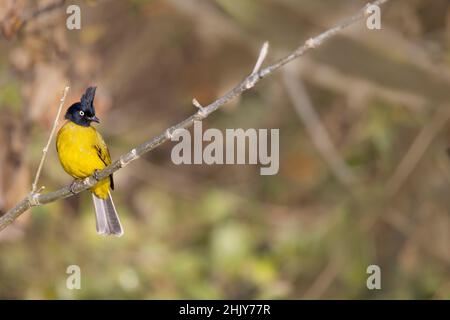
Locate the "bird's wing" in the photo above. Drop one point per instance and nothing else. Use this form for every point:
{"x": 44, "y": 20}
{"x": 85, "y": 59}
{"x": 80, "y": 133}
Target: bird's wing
{"x": 102, "y": 150}
{"x": 103, "y": 154}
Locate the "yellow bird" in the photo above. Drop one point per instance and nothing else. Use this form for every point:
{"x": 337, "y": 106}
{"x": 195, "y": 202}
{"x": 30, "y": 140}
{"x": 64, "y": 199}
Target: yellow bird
{"x": 82, "y": 151}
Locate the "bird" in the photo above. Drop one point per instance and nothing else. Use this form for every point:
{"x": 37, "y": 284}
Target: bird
{"x": 82, "y": 152}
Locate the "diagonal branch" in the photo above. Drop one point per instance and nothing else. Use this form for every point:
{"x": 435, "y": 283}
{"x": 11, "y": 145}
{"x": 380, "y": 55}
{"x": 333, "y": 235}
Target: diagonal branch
{"x": 417, "y": 150}
{"x": 248, "y": 83}
{"x": 318, "y": 133}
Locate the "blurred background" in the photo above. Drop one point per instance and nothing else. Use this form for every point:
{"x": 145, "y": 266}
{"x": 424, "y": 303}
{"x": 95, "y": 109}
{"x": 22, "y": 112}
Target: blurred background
{"x": 364, "y": 171}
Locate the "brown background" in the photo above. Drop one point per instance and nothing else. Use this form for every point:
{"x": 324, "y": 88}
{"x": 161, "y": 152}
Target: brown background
{"x": 379, "y": 195}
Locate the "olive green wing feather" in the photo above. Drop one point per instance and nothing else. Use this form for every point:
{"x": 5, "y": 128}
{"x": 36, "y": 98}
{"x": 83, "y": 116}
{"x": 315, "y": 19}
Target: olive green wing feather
{"x": 103, "y": 154}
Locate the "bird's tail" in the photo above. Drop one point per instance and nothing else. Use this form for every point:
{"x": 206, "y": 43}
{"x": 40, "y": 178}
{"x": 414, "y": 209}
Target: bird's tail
{"x": 108, "y": 222}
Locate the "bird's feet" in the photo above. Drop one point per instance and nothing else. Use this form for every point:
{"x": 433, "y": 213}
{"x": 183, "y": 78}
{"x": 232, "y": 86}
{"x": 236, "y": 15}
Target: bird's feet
{"x": 73, "y": 186}
{"x": 96, "y": 174}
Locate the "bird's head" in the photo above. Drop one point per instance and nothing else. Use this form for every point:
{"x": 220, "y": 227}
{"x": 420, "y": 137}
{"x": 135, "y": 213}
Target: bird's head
{"x": 83, "y": 112}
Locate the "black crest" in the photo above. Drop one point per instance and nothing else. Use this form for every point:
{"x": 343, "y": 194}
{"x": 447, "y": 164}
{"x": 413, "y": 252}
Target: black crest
{"x": 87, "y": 100}
{"x": 83, "y": 112}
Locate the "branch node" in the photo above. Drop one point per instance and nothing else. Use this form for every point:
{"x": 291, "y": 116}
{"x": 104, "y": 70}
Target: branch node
{"x": 312, "y": 43}
{"x": 73, "y": 186}
{"x": 251, "y": 80}
{"x": 33, "y": 199}
{"x": 367, "y": 12}
{"x": 134, "y": 155}
{"x": 202, "y": 113}
{"x": 126, "y": 159}
{"x": 87, "y": 181}
{"x": 169, "y": 134}
{"x": 96, "y": 175}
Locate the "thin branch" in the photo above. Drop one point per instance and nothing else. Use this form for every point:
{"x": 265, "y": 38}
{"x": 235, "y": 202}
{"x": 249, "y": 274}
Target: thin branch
{"x": 262, "y": 56}
{"x": 323, "y": 281}
{"x": 27, "y": 17}
{"x": 316, "y": 130}
{"x": 14, "y": 22}
{"x": 357, "y": 89}
{"x": 124, "y": 160}
{"x": 417, "y": 150}
{"x": 52, "y": 133}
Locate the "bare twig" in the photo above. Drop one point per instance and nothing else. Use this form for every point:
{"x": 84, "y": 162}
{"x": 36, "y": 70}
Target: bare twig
{"x": 15, "y": 21}
{"x": 44, "y": 9}
{"x": 411, "y": 231}
{"x": 262, "y": 56}
{"x": 27, "y": 17}
{"x": 324, "y": 280}
{"x": 201, "y": 110}
{"x": 316, "y": 130}
{"x": 246, "y": 84}
{"x": 417, "y": 150}
{"x": 357, "y": 89}
{"x": 52, "y": 133}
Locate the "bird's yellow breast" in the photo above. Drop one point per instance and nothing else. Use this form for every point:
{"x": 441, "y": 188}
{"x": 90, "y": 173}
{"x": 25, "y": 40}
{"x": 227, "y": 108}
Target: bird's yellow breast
{"x": 80, "y": 153}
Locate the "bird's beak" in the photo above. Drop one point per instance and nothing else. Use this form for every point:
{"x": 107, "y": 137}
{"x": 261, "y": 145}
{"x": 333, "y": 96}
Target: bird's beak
{"x": 94, "y": 118}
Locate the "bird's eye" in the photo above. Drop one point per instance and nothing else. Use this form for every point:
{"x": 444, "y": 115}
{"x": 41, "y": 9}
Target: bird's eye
{"x": 81, "y": 113}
